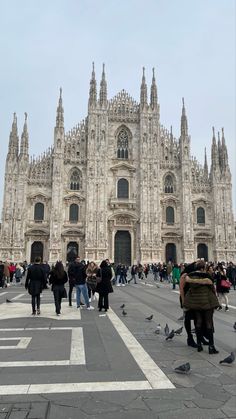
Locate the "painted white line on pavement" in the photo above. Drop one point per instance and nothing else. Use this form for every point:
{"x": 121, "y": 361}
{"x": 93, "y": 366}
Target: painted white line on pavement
{"x": 22, "y": 344}
{"x": 36, "y": 363}
{"x": 74, "y": 387}
{"x": 154, "y": 375}
{"x": 17, "y": 297}
{"x": 36, "y": 328}
{"x": 77, "y": 353}
{"x": 20, "y": 309}
{"x": 3, "y": 293}
{"x": 229, "y": 306}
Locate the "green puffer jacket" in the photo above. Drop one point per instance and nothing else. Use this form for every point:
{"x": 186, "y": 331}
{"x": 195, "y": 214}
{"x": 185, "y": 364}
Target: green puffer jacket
{"x": 201, "y": 293}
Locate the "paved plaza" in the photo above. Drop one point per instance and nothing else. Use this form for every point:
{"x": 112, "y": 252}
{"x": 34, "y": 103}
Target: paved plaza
{"x": 85, "y": 364}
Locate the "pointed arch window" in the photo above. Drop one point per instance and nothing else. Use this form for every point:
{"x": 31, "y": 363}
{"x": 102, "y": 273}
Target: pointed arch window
{"x": 200, "y": 215}
{"x": 169, "y": 184}
{"x": 39, "y": 211}
{"x": 74, "y": 213}
{"x": 123, "y": 188}
{"x": 75, "y": 180}
{"x": 170, "y": 215}
{"x": 123, "y": 144}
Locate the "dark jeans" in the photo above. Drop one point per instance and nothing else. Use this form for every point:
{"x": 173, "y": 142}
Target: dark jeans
{"x": 58, "y": 292}
{"x": 90, "y": 291}
{"x": 71, "y": 286}
{"x": 204, "y": 320}
{"x": 103, "y": 301}
{"x": 35, "y": 300}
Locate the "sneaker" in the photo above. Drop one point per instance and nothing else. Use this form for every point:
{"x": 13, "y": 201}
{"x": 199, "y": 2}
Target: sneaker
{"x": 226, "y": 308}
{"x": 33, "y": 313}
{"x": 90, "y": 308}
{"x": 118, "y": 285}
{"x": 79, "y": 307}
{"x": 123, "y": 285}
{"x": 38, "y": 312}
{"x": 58, "y": 314}
{"x": 90, "y": 300}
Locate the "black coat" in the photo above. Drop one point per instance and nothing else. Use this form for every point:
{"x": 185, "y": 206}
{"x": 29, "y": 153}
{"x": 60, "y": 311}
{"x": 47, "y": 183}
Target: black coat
{"x": 35, "y": 280}
{"x": 219, "y": 289}
{"x": 56, "y": 281}
{"x": 104, "y": 287}
{"x": 77, "y": 271}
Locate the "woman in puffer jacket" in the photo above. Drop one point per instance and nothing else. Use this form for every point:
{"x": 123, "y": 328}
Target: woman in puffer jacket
{"x": 201, "y": 298}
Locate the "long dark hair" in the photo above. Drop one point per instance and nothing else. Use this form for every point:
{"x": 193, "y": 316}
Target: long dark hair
{"x": 59, "y": 269}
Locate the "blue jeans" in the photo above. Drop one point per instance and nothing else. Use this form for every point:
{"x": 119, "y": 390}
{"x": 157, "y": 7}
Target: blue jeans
{"x": 82, "y": 288}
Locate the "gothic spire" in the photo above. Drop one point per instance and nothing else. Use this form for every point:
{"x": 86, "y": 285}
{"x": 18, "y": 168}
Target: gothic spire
{"x": 153, "y": 99}
{"x": 60, "y": 112}
{"x": 93, "y": 89}
{"x": 224, "y": 150}
{"x": 24, "y": 146}
{"x": 13, "y": 146}
{"x": 103, "y": 89}
{"x": 214, "y": 151}
{"x": 219, "y": 150}
{"x": 184, "y": 121}
{"x": 143, "y": 91}
{"x": 205, "y": 164}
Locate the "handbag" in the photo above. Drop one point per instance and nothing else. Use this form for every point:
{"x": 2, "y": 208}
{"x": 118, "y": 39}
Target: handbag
{"x": 225, "y": 283}
{"x": 64, "y": 293}
{"x": 92, "y": 282}
{"x": 99, "y": 278}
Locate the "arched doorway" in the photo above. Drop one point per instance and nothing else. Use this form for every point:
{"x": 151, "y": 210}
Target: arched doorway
{"x": 36, "y": 251}
{"x": 202, "y": 251}
{"x": 72, "y": 251}
{"x": 171, "y": 252}
{"x": 123, "y": 248}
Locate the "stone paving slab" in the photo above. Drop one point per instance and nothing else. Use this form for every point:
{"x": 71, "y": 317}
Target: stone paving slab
{"x": 207, "y": 392}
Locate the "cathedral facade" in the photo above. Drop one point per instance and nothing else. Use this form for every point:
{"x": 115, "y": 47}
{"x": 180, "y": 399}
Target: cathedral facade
{"x": 118, "y": 185}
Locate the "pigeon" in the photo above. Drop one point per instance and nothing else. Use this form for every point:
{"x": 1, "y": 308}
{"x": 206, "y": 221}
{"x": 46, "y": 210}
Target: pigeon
{"x": 122, "y": 306}
{"x": 171, "y": 335}
{"x": 234, "y": 326}
{"x": 183, "y": 369}
{"x": 229, "y": 359}
{"x": 166, "y": 330}
{"x": 150, "y": 317}
{"x": 8, "y": 301}
{"x": 158, "y": 329}
{"x": 179, "y": 331}
{"x": 124, "y": 312}
{"x": 181, "y": 318}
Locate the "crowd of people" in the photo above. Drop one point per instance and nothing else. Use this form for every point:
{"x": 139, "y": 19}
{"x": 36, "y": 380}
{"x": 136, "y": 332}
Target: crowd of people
{"x": 203, "y": 287}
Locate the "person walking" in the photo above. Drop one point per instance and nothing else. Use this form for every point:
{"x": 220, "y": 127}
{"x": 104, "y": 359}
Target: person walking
{"x": 34, "y": 283}
{"x": 6, "y": 274}
{"x": 78, "y": 272}
{"x": 18, "y": 274}
{"x": 58, "y": 278}
{"x": 104, "y": 287}
{"x": 221, "y": 289}
{"x": 133, "y": 274}
{"x": 175, "y": 275}
{"x": 91, "y": 280}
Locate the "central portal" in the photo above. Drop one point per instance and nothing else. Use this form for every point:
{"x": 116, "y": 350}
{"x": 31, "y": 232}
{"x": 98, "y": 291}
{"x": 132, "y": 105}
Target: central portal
{"x": 123, "y": 248}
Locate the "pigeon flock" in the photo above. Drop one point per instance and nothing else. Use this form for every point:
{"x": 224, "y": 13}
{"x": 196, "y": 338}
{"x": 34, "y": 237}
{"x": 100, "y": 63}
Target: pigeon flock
{"x": 184, "y": 368}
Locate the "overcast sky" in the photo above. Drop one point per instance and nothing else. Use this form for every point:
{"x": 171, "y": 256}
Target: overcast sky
{"x": 47, "y": 44}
